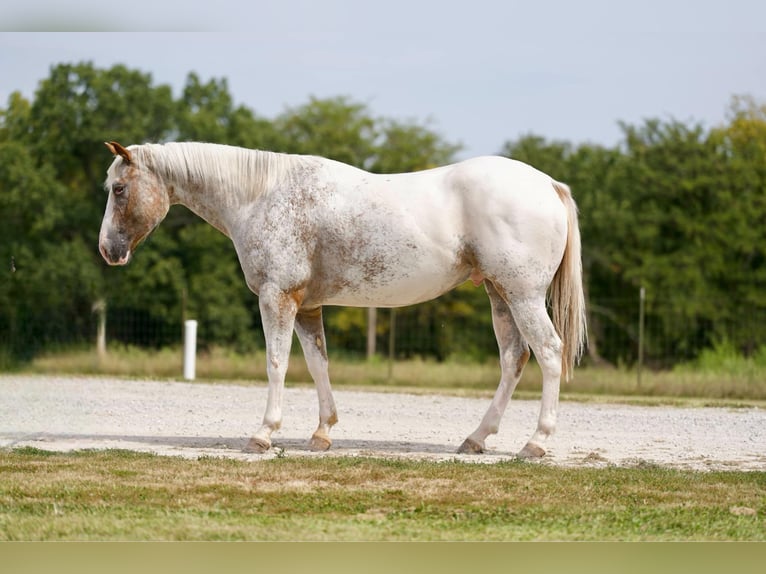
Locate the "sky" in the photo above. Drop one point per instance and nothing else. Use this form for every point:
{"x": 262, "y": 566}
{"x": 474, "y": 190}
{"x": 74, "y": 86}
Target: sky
{"x": 479, "y": 72}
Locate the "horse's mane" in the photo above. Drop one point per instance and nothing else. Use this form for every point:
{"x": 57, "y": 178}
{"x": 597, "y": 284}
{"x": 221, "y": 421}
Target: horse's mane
{"x": 235, "y": 171}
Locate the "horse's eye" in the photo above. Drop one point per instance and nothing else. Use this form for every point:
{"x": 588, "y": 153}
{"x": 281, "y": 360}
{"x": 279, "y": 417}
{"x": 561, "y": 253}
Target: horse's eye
{"x": 118, "y": 188}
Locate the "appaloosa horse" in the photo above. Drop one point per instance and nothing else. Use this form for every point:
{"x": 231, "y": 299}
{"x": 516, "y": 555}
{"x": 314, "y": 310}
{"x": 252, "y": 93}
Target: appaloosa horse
{"x": 311, "y": 231}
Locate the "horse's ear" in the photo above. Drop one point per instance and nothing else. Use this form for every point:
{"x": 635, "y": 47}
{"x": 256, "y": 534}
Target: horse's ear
{"x": 117, "y": 149}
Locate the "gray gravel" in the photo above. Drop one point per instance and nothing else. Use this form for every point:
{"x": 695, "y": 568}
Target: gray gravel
{"x": 196, "y": 419}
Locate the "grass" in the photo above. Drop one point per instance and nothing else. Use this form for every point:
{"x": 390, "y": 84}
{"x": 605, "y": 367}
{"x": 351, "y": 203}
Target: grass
{"x": 120, "y": 495}
{"x": 706, "y": 383}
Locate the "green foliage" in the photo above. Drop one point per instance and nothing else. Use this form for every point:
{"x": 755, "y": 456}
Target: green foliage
{"x": 79, "y": 106}
{"x": 206, "y": 112}
{"x": 337, "y": 128}
{"x": 725, "y": 359}
{"x": 217, "y": 294}
{"x": 406, "y": 147}
{"x": 49, "y": 280}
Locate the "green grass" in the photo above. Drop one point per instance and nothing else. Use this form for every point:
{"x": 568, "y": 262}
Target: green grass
{"x": 722, "y": 382}
{"x": 120, "y": 495}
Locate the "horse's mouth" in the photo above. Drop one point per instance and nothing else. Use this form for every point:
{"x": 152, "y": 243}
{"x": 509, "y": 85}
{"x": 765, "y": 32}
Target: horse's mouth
{"x": 115, "y": 259}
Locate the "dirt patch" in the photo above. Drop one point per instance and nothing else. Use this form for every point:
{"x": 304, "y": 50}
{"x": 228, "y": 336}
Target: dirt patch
{"x": 195, "y": 419}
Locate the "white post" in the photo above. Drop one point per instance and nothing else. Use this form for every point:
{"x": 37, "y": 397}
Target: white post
{"x": 190, "y": 348}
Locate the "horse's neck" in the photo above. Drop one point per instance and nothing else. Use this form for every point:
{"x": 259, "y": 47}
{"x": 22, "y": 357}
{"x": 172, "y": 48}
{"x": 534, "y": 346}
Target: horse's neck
{"x": 202, "y": 205}
{"x": 222, "y": 187}
{"x": 223, "y": 183}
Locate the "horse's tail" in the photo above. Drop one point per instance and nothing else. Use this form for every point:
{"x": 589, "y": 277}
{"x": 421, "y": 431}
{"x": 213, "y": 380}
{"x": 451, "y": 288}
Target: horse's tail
{"x": 566, "y": 296}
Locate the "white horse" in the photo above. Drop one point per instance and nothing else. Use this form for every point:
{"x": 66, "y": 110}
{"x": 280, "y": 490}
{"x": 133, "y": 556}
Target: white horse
{"x": 311, "y": 231}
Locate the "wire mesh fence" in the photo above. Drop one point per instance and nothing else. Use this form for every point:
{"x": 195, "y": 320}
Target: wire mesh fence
{"x": 616, "y": 334}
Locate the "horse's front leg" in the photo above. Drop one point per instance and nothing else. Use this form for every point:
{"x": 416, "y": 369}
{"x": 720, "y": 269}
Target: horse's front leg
{"x": 308, "y": 325}
{"x": 278, "y": 310}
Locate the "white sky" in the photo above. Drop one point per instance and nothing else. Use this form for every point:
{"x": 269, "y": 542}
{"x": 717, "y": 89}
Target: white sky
{"x": 483, "y": 71}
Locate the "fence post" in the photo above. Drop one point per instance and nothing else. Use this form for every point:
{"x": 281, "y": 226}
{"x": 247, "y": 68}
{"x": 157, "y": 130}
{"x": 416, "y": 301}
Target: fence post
{"x": 372, "y": 327}
{"x": 99, "y": 308}
{"x": 641, "y": 299}
{"x": 190, "y": 349}
{"x": 391, "y": 342}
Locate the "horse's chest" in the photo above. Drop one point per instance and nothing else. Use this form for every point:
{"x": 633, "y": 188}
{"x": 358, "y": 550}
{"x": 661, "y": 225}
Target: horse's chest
{"x": 274, "y": 250}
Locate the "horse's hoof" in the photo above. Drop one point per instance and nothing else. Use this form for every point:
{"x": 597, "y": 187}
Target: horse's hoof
{"x": 319, "y": 443}
{"x": 470, "y": 446}
{"x": 531, "y": 450}
{"x": 258, "y": 445}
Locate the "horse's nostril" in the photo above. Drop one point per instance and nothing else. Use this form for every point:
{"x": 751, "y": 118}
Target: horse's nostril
{"x": 113, "y": 256}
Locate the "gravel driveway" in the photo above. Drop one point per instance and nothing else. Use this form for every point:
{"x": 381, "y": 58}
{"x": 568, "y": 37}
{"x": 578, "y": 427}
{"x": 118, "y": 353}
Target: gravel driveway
{"x": 196, "y": 419}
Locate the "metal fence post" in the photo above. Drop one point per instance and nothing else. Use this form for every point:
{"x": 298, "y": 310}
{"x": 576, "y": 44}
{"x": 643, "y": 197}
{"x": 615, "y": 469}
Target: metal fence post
{"x": 391, "y": 342}
{"x": 372, "y": 329}
{"x": 641, "y": 299}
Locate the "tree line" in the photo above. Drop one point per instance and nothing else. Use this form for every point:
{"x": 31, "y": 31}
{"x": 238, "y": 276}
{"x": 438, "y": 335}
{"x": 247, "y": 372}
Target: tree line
{"x": 675, "y": 207}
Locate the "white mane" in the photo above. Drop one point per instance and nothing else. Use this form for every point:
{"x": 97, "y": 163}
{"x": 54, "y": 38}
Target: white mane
{"x": 233, "y": 171}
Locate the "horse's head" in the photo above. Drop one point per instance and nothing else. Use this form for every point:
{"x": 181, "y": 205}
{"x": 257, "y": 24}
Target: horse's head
{"x": 138, "y": 202}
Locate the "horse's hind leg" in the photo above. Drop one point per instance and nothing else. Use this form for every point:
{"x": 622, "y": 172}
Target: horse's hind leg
{"x": 514, "y": 354}
{"x": 533, "y": 322}
{"x": 308, "y": 325}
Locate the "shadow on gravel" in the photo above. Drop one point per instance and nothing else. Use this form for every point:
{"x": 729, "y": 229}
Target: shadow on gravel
{"x": 224, "y": 444}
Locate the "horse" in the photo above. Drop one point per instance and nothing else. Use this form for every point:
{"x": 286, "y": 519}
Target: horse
{"x": 310, "y": 231}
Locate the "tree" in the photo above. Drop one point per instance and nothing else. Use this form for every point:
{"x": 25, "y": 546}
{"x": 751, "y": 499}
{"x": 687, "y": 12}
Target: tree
{"x": 46, "y": 290}
{"x": 79, "y": 106}
{"x": 410, "y": 146}
{"x": 53, "y": 167}
{"x": 741, "y": 279}
{"x": 206, "y": 112}
{"x": 667, "y": 184}
{"x": 336, "y": 128}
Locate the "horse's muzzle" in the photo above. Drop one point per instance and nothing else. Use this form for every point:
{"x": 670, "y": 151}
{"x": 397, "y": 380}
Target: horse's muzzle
{"x": 114, "y": 254}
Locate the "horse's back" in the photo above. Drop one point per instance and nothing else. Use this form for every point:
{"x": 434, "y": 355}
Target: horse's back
{"x": 492, "y": 199}
{"x": 500, "y": 176}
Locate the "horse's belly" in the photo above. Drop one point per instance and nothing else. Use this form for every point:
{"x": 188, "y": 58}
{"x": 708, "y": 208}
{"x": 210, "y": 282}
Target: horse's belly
{"x": 394, "y": 287}
{"x": 391, "y": 296}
